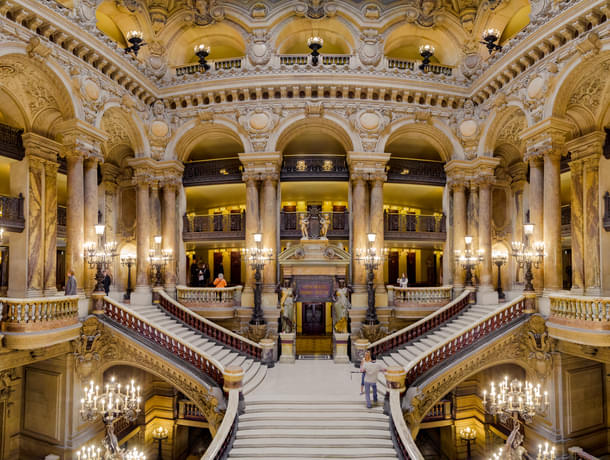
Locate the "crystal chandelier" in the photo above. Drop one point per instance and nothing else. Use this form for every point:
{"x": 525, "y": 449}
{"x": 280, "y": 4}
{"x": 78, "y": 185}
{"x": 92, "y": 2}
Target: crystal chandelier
{"x": 95, "y": 453}
{"x": 547, "y": 453}
{"x": 515, "y": 400}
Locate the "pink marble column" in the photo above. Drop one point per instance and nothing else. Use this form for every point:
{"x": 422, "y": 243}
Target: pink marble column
{"x": 75, "y": 217}
{"x": 35, "y": 227}
{"x": 142, "y": 234}
{"x": 169, "y": 233}
{"x": 376, "y": 224}
{"x": 552, "y": 223}
{"x": 270, "y": 225}
{"x": 459, "y": 231}
{"x": 473, "y": 214}
{"x": 91, "y": 213}
{"x": 591, "y": 225}
{"x": 535, "y": 199}
{"x": 359, "y": 228}
{"x": 576, "y": 227}
{"x": 485, "y": 234}
{"x": 155, "y": 210}
{"x": 252, "y": 222}
{"x": 50, "y": 240}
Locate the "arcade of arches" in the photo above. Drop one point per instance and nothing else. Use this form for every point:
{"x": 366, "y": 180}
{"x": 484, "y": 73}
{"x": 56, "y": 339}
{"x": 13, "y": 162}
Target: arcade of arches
{"x": 183, "y": 166}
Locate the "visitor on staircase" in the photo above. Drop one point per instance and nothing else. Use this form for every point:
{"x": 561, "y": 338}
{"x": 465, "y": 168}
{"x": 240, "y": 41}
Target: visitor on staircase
{"x": 371, "y": 371}
{"x": 366, "y": 359}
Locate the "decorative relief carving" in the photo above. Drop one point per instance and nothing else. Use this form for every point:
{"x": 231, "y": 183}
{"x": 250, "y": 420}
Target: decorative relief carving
{"x": 538, "y": 347}
{"x": 371, "y": 48}
{"x": 259, "y": 51}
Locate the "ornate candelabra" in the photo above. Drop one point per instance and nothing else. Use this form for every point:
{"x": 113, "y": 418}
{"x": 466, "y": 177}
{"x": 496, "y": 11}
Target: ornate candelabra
{"x": 128, "y": 260}
{"x": 95, "y": 453}
{"x": 371, "y": 260}
{"x": 468, "y": 259}
{"x": 257, "y": 257}
{"x": 426, "y": 52}
{"x": 159, "y": 434}
{"x": 547, "y": 453}
{"x": 468, "y": 435}
{"x": 315, "y": 43}
{"x": 490, "y": 37}
{"x": 528, "y": 255}
{"x": 100, "y": 256}
{"x": 499, "y": 258}
{"x": 134, "y": 37}
{"x": 158, "y": 259}
{"x": 202, "y": 51}
{"x": 114, "y": 402}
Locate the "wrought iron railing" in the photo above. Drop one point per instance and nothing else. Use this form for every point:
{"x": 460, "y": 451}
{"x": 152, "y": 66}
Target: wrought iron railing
{"x": 566, "y": 220}
{"x": 338, "y": 227}
{"x": 403, "y": 170}
{"x": 214, "y": 227}
{"x": 329, "y": 168}
{"x": 414, "y": 226}
{"x": 11, "y": 144}
{"x": 12, "y": 218}
{"x": 227, "y": 171}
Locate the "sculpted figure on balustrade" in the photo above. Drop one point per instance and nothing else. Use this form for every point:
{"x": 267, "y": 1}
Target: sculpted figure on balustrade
{"x": 287, "y": 313}
{"x": 341, "y": 305}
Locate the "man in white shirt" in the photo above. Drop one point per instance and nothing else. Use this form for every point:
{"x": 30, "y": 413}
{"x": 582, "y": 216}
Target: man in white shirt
{"x": 403, "y": 281}
{"x": 371, "y": 371}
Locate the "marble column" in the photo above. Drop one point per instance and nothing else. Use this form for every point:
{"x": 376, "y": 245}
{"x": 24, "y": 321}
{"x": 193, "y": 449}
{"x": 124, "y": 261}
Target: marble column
{"x": 473, "y": 214}
{"x": 576, "y": 227}
{"x": 169, "y": 234}
{"x": 91, "y": 213}
{"x": 459, "y": 231}
{"x": 75, "y": 217}
{"x": 535, "y": 199}
{"x": 270, "y": 226}
{"x": 377, "y": 227}
{"x": 252, "y": 226}
{"x": 110, "y": 209}
{"x": 517, "y": 187}
{"x": 35, "y": 227}
{"x": 552, "y": 223}
{"x": 448, "y": 249}
{"x": 359, "y": 226}
{"x": 591, "y": 225}
{"x": 50, "y": 239}
{"x": 155, "y": 210}
{"x": 487, "y": 293}
{"x": 142, "y": 237}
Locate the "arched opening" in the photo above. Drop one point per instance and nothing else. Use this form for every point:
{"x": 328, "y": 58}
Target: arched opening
{"x": 337, "y": 36}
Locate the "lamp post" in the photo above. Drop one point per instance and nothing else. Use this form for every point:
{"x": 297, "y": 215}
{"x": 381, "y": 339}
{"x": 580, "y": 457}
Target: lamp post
{"x": 158, "y": 259}
{"x": 100, "y": 255}
{"x": 128, "y": 260}
{"x": 371, "y": 261}
{"x": 468, "y": 435}
{"x": 528, "y": 255}
{"x": 202, "y": 51}
{"x": 114, "y": 402}
{"x": 499, "y": 258}
{"x": 468, "y": 260}
{"x": 159, "y": 434}
{"x": 258, "y": 256}
{"x": 315, "y": 43}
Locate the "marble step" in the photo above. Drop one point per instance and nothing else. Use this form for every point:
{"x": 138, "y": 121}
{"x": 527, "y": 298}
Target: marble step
{"x": 298, "y": 442}
{"x": 313, "y": 433}
{"x": 330, "y": 425}
{"x": 312, "y": 407}
{"x": 312, "y": 416}
{"x": 313, "y": 452}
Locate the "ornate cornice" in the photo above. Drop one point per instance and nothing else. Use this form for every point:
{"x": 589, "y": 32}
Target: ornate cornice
{"x": 589, "y": 145}
{"x": 546, "y": 137}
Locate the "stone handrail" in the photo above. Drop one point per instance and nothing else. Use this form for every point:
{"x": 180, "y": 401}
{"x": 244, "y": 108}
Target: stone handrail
{"x": 447, "y": 349}
{"x": 38, "y": 313}
{"x": 590, "y": 312}
{"x": 225, "y": 435}
{"x": 131, "y": 320}
{"x": 209, "y": 296}
{"x": 400, "y": 432}
{"x": 577, "y": 453}
{"x": 398, "y": 296}
{"x": 422, "y": 326}
{"x": 209, "y": 328}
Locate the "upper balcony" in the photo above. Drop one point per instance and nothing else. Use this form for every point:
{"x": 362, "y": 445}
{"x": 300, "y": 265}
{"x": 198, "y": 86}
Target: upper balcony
{"x": 214, "y": 227}
{"x": 338, "y": 228}
{"x": 314, "y": 168}
{"x": 414, "y": 227}
{"x": 227, "y": 171}
{"x": 11, "y": 213}
{"x": 581, "y": 319}
{"x": 406, "y": 171}
{"x": 11, "y": 145}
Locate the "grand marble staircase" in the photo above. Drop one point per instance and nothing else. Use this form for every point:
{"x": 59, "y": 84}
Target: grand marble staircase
{"x": 254, "y": 371}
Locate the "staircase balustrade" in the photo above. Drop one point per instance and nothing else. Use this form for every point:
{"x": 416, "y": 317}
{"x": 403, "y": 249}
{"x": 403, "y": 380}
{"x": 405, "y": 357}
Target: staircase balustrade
{"x": 223, "y": 441}
{"x": 577, "y": 453}
{"x": 414, "y": 296}
{"x": 401, "y": 436}
{"x": 440, "y": 411}
{"x": 581, "y": 311}
{"x": 38, "y": 314}
{"x": 209, "y": 328}
{"x": 189, "y": 411}
{"x": 209, "y": 297}
{"x": 132, "y": 321}
{"x": 421, "y": 327}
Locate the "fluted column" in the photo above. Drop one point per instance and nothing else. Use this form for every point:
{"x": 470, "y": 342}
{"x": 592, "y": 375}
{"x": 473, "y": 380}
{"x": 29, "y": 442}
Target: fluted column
{"x": 459, "y": 230}
{"x": 485, "y": 241}
{"x": 270, "y": 226}
{"x": 169, "y": 233}
{"x": 252, "y": 222}
{"x": 91, "y": 213}
{"x": 75, "y": 218}
{"x": 359, "y": 226}
{"x": 535, "y": 199}
{"x": 376, "y": 225}
{"x": 591, "y": 225}
{"x": 50, "y": 238}
{"x": 552, "y": 222}
{"x": 576, "y": 227}
{"x": 142, "y": 234}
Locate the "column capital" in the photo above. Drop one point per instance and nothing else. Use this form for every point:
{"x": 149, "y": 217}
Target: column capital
{"x": 271, "y": 177}
{"x": 546, "y": 138}
{"x": 259, "y": 164}
{"x": 81, "y": 139}
{"x": 369, "y": 164}
{"x": 41, "y": 147}
{"x": 110, "y": 172}
{"x": 589, "y": 145}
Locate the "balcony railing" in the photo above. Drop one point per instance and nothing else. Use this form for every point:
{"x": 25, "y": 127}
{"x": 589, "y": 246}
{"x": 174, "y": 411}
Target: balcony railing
{"x": 413, "y": 226}
{"x": 211, "y": 303}
{"x": 214, "y": 227}
{"x": 440, "y": 411}
{"x": 11, "y": 144}
{"x": 212, "y": 172}
{"x": 188, "y": 410}
{"x": 417, "y": 302}
{"x": 338, "y": 228}
{"x": 327, "y": 168}
{"x": 38, "y": 314}
{"x": 582, "y": 312}
{"x": 11, "y": 213}
{"x": 405, "y": 171}
{"x": 221, "y": 64}
{"x": 403, "y": 64}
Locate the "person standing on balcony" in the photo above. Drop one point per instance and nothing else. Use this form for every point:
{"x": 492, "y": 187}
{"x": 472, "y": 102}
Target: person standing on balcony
{"x": 194, "y": 272}
{"x": 71, "y": 283}
{"x": 219, "y": 269}
{"x": 403, "y": 281}
{"x": 220, "y": 282}
{"x": 206, "y": 275}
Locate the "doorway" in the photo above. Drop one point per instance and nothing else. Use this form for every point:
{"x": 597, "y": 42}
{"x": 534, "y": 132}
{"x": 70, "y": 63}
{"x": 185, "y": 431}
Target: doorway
{"x": 393, "y": 267}
{"x": 412, "y": 268}
{"x": 235, "y": 267}
{"x": 314, "y": 319}
{"x": 218, "y": 267}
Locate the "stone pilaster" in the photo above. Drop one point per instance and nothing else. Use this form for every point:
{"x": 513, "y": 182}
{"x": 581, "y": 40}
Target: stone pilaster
{"x": 169, "y": 233}
{"x": 535, "y": 200}
{"x": 591, "y": 225}
{"x": 270, "y": 226}
{"x": 50, "y": 241}
{"x": 517, "y": 172}
{"x": 459, "y": 230}
{"x": 252, "y": 227}
{"x": 91, "y": 203}
{"x": 486, "y": 291}
{"x": 576, "y": 227}
{"x": 377, "y": 227}
{"x": 473, "y": 213}
{"x": 359, "y": 228}
{"x": 155, "y": 209}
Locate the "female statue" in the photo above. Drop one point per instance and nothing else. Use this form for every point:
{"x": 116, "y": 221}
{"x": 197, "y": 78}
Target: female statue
{"x": 340, "y": 306}
{"x": 287, "y": 307}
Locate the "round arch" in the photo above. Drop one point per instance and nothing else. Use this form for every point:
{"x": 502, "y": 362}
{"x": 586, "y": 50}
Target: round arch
{"x": 497, "y": 122}
{"x": 333, "y": 126}
{"x": 290, "y": 35}
{"x": 436, "y": 133}
{"x": 132, "y": 127}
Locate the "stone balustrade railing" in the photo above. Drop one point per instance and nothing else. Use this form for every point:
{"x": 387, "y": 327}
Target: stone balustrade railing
{"x": 209, "y": 328}
{"x": 421, "y": 327}
{"x": 439, "y": 355}
{"x": 222, "y": 442}
{"x": 38, "y": 314}
{"x": 577, "y": 453}
{"x": 414, "y": 296}
{"x": 188, "y": 410}
{"x": 209, "y": 297}
{"x": 179, "y": 348}
{"x": 581, "y": 311}
{"x": 440, "y": 411}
